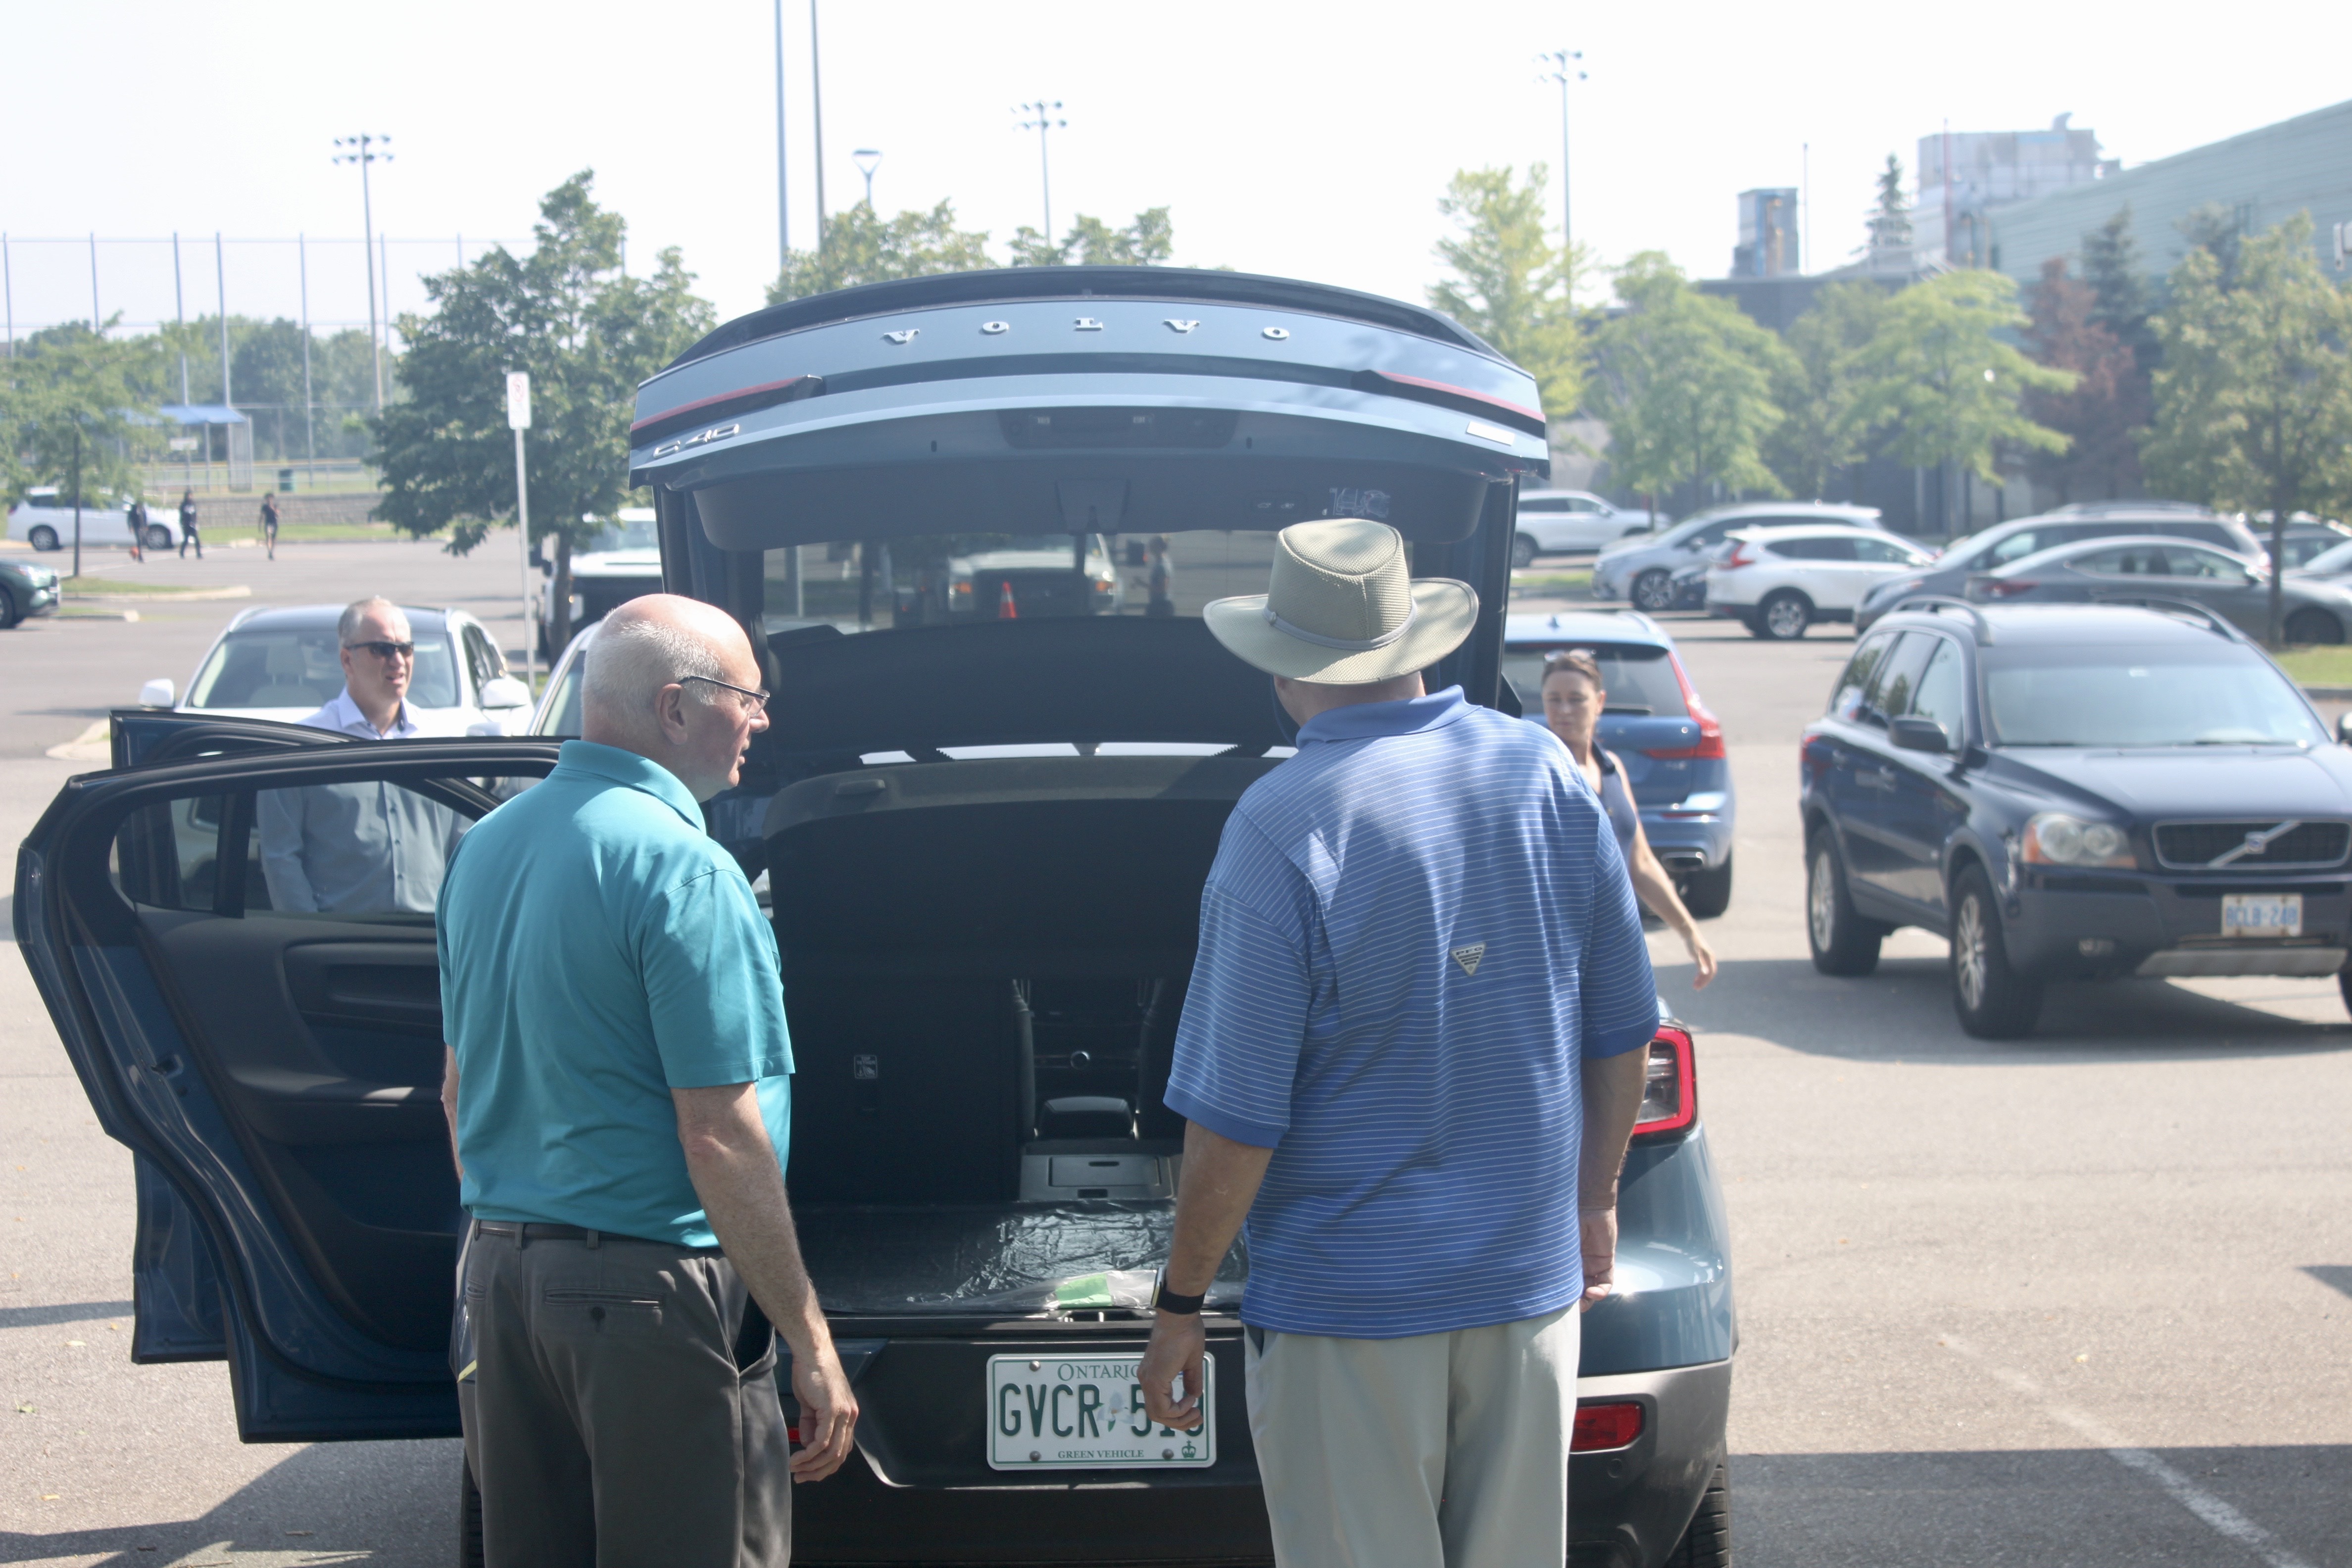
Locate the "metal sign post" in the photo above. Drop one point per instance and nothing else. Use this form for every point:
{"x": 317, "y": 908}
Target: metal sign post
{"x": 519, "y": 421}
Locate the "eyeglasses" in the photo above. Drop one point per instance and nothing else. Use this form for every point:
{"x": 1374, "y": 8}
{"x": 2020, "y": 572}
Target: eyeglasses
{"x": 756, "y": 702}
{"x": 384, "y": 649}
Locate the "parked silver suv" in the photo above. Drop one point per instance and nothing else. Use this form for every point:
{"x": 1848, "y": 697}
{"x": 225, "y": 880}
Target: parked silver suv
{"x": 1642, "y": 569}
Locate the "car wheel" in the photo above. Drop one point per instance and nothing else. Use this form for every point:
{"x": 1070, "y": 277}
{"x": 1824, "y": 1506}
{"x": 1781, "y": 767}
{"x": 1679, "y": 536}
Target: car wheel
{"x": 1654, "y": 590}
{"x": 1842, "y": 941}
{"x": 158, "y": 537}
{"x": 1707, "y": 894}
{"x": 469, "y": 1518}
{"x": 1785, "y": 614}
{"x": 9, "y": 614}
{"x": 2344, "y": 984}
{"x": 1707, "y": 1542}
{"x": 2308, "y": 626}
{"x": 42, "y": 537}
{"x": 1523, "y": 552}
{"x": 1995, "y": 1002}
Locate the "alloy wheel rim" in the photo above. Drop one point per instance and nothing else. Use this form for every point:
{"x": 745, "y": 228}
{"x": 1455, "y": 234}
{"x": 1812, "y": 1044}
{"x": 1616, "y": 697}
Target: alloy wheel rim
{"x": 1784, "y": 618}
{"x": 1822, "y": 903}
{"x": 1968, "y": 955}
{"x": 1653, "y": 591}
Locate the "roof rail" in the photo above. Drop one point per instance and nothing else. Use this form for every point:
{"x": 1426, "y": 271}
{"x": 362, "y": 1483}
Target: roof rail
{"x": 2212, "y": 620}
{"x": 1942, "y": 604}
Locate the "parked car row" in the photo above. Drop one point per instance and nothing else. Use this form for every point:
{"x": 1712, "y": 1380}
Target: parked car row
{"x": 40, "y": 520}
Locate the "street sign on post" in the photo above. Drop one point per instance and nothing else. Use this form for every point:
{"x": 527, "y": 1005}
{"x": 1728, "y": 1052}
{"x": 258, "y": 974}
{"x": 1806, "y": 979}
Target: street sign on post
{"x": 519, "y": 421}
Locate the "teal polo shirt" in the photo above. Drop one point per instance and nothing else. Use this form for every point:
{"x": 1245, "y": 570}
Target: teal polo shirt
{"x": 598, "y": 949}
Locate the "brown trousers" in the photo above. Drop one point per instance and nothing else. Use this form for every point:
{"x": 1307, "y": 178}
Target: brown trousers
{"x": 621, "y": 1406}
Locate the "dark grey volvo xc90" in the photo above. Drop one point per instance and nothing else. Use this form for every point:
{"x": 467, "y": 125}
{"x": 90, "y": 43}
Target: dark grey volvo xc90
{"x": 986, "y": 809}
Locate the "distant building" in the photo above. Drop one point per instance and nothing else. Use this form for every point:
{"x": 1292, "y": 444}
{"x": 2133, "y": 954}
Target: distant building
{"x": 1768, "y": 233}
{"x": 1991, "y": 170}
{"x": 2258, "y": 179}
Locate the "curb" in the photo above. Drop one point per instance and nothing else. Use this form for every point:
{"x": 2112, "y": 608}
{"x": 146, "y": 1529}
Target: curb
{"x": 162, "y": 596}
{"x": 2328, "y": 693}
{"x": 95, "y": 745}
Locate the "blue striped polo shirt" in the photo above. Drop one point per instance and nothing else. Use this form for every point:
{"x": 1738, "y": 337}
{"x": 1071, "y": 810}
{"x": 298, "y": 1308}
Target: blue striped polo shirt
{"x": 1415, "y": 932}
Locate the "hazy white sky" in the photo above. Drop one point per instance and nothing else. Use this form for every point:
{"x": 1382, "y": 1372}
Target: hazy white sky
{"x": 1290, "y": 136}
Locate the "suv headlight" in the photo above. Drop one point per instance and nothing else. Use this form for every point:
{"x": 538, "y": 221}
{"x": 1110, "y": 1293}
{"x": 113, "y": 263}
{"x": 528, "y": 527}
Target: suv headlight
{"x": 2055, "y": 839}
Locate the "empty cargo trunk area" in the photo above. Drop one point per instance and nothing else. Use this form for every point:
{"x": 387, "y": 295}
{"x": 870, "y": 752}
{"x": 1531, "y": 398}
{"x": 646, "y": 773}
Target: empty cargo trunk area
{"x": 984, "y": 963}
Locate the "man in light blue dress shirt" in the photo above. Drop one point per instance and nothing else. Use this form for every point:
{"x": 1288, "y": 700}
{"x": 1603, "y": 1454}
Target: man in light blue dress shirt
{"x": 360, "y": 849}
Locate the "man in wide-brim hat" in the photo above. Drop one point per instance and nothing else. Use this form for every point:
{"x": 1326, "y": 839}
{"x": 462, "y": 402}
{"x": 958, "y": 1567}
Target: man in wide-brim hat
{"x": 1410, "y": 1058}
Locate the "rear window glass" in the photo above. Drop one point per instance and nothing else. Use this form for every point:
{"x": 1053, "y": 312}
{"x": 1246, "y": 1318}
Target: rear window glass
{"x": 1637, "y": 679}
{"x": 299, "y": 668}
{"x": 2142, "y": 696}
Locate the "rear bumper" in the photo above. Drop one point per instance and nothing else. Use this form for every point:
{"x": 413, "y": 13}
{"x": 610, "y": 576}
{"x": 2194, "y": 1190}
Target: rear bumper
{"x": 1677, "y": 840}
{"x": 2099, "y": 924}
{"x": 1627, "y": 1508}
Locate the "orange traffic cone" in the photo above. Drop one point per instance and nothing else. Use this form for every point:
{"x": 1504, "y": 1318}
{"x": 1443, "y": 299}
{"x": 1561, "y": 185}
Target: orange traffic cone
{"x": 1006, "y": 610}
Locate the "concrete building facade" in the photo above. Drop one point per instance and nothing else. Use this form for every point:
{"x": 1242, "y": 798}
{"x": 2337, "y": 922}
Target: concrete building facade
{"x": 1967, "y": 176}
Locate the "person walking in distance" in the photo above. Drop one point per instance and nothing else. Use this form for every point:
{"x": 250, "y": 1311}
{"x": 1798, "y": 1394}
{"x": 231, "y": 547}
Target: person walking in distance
{"x": 1410, "y": 1058}
{"x": 618, "y": 1092}
{"x": 270, "y": 523}
{"x": 1573, "y": 697}
{"x": 188, "y": 534}
{"x": 135, "y": 512}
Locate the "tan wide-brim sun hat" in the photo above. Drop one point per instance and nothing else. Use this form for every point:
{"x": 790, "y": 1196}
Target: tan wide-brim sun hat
{"x": 1341, "y": 609}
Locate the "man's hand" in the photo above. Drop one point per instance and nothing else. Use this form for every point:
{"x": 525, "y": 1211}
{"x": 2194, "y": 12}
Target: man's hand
{"x": 1179, "y": 1348}
{"x": 1597, "y": 1229}
{"x": 828, "y": 1413}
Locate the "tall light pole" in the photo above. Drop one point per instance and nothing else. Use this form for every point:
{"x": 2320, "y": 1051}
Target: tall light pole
{"x": 1041, "y": 121}
{"x": 363, "y": 154}
{"x": 867, "y": 160}
{"x": 783, "y": 218}
{"x": 1560, "y": 67}
{"x": 816, "y": 106}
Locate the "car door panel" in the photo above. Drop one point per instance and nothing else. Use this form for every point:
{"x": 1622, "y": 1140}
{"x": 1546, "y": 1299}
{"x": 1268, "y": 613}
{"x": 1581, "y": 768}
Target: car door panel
{"x": 1922, "y": 810}
{"x": 1877, "y": 855}
{"x": 277, "y": 1075}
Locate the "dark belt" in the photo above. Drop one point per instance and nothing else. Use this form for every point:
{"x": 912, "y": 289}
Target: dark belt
{"x": 524, "y": 1232}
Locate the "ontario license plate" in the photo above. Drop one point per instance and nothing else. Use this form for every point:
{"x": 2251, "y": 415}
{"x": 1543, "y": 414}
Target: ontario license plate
{"x": 1086, "y": 1413}
{"x": 2262, "y": 914}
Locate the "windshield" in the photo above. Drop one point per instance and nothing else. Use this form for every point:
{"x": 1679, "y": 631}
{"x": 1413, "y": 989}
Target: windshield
{"x": 953, "y": 579}
{"x": 629, "y": 535}
{"x": 1638, "y": 680}
{"x": 2143, "y": 696}
{"x": 297, "y": 668}
{"x": 2335, "y": 558}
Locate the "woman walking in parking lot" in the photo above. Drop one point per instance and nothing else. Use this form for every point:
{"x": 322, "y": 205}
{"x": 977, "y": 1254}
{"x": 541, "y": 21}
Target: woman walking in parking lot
{"x": 1573, "y": 697}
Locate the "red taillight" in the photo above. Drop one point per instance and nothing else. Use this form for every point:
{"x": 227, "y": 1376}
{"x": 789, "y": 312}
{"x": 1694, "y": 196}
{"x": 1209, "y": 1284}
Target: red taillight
{"x": 1669, "y": 1085}
{"x": 1600, "y": 1426}
{"x": 1739, "y": 556}
{"x": 1710, "y": 728}
{"x": 2004, "y": 588}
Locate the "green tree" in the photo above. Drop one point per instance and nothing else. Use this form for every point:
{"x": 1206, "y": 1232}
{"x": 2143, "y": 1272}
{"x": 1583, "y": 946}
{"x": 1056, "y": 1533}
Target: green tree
{"x": 587, "y": 334}
{"x": 2253, "y": 404}
{"x": 1148, "y": 241}
{"x": 862, "y": 247}
{"x": 1509, "y": 283}
{"x": 68, "y": 382}
{"x": 1889, "y": 223}
{"x": 1939, "y": 378}
{"x": 2215, "y": 229}
{"x": 1684, "y": 380}
{"x": 1817, "y": 388}
{"x": 2124, "y": 303}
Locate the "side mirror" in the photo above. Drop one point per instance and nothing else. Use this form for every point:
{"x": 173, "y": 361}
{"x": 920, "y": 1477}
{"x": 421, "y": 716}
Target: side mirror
{"x": 505, "y": 692}
{"x": 1919, "y": 735}
{"x": 158, "y": 694}
{"x": 2344, "y": 728}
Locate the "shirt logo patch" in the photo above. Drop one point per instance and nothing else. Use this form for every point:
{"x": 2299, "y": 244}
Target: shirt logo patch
{"x": 1468, "y": 957}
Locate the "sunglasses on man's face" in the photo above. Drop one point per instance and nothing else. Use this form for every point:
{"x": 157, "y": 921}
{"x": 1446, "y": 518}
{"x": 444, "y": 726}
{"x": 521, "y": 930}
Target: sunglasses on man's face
{"x": 384, "y": 649}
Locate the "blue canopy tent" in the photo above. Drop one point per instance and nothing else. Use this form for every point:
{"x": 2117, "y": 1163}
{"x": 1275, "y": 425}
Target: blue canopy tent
{"x": 198, "y": 421}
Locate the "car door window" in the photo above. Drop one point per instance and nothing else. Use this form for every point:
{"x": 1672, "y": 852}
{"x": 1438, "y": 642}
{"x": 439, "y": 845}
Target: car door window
{"x": 1714, "y": 532}
{"x": 2208, "y": 565}
{"x": 2016, "y": 547}
{"x": 1884, "y": 553}
{"x": 1852, "y": 688}
{"x": 1941, "y": 692}
{"x": 482, "y": 656}
{"x": 1546, "y": 503}
{"x": 2124, "y": 561}
{"x": 1890, "y": 695}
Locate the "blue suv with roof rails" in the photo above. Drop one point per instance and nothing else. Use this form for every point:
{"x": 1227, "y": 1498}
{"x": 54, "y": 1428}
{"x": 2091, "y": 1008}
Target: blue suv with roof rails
{"x": 2074, "y": 791}
{"x": 1669, "y": 744}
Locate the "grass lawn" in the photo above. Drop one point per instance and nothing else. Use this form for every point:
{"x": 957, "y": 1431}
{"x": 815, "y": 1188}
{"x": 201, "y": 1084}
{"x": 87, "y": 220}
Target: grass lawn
{"x": 2318, "y": 665}
{"x": 1551, "y": 583}
{"x": 89, "y": 583}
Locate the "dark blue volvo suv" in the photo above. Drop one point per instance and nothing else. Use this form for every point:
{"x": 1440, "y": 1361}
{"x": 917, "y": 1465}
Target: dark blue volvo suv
{"x": 2074, "y": 791}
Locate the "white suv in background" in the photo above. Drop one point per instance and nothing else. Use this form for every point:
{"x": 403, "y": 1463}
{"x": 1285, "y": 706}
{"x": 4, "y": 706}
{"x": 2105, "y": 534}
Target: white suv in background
{"x": 1779, "y": 581}
{"x": 1554, "y": 521}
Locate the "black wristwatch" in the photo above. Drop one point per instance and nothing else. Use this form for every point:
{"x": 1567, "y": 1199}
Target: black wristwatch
{"x": 1167, "y": 1301}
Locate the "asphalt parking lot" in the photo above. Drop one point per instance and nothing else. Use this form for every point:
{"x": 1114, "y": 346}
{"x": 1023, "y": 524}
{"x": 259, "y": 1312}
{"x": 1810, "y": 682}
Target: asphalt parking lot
{"x": 2083, "y": 1299}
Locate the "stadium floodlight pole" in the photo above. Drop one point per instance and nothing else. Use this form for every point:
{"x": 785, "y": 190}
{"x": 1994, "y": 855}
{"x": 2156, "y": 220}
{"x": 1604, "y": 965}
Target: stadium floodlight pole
{"x": 783, "y": 215}
{"x": 816, "y": 108}
{"x": 97, "y": 321}
{"x": 309, "y": 403}
{"x": 363, "y": 153}
{"x": 220, "y": 287}
{"x": 180, "y": 307}
{"x": 1560, "y": 67}
{"x": 1041, "y": 121}
{"x": 867, "y": 160}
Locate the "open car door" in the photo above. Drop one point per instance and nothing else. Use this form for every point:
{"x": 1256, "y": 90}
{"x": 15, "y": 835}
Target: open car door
{"x": 253, "y": 1004}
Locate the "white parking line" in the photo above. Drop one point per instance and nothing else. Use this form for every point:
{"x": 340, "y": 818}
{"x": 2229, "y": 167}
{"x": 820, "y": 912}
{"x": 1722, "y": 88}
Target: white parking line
{"x": 2225, "y": 1520}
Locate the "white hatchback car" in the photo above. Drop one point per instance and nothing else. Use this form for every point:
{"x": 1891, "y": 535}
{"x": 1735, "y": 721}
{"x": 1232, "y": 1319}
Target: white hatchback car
{"x": 1554, "y": 521}
{"x": 283, "y": 665}
{"x": 1780, "y": 581}
{"x": 40, "y": 521}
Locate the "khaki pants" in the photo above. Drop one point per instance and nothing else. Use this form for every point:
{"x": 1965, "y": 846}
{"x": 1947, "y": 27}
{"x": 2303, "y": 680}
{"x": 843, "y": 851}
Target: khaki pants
{"x": 622, "y": 1409}
{"x": 1436, "y": 1451}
